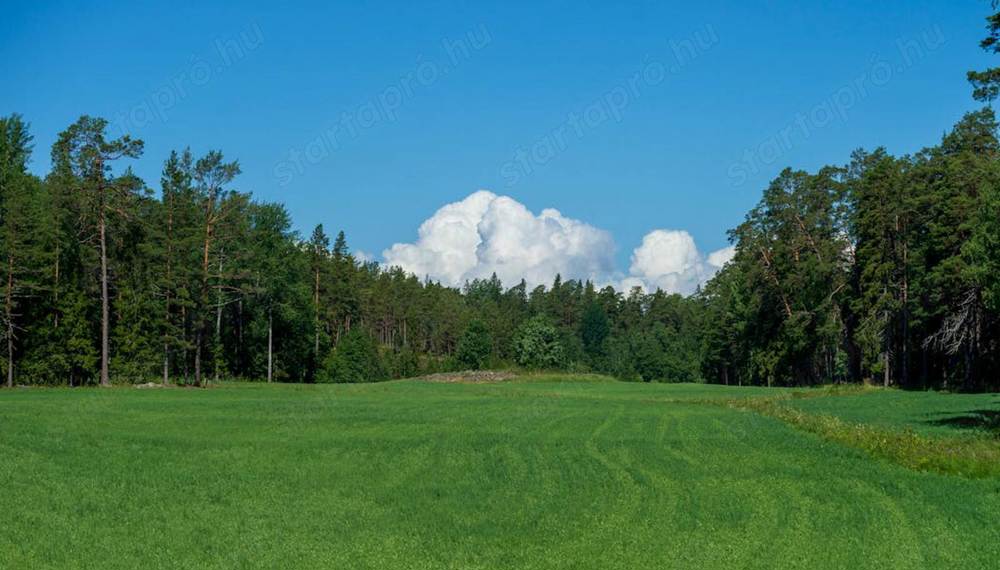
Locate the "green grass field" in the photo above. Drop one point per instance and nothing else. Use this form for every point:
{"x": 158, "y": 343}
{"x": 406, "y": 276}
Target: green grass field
{"x": 929, "y": 413}
{"x": 538, "y": 474}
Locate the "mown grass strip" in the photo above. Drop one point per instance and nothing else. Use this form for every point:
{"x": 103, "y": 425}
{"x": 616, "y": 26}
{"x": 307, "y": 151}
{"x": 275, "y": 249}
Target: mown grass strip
{"x": 966, "y": 457}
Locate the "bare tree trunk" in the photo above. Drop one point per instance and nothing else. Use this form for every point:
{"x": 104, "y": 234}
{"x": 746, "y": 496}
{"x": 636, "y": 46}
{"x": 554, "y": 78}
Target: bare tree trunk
{"x": 10, "y": 355}
{"x": 904, "y": 365}
{"x": 218, "y": 340}
{"x": 55, "y": 293}
{"x": 270, "y": 345}
{"x": 105, "y": 309}
{"x": 218, "y": 324}
{"x": 200, "y": 317}
{"x": 166, "y": 343}
{"x": 316, "y": 310}
{"x": 9, "y": 310}
{"x": 239, "y": 338}
{"x": 886, "y": 343}
{"x": 886, "y": 373}
{"x": 197, "y": 358}
{"x": 166, "y": 365}
{"x": 170, "y": 248}
{"x": 184, "y": 327}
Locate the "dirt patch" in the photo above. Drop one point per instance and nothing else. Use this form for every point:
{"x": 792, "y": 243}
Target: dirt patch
{"x": 470, "y": 377}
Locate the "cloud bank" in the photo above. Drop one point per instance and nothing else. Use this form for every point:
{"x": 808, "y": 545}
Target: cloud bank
{"x": 486, "y": 233}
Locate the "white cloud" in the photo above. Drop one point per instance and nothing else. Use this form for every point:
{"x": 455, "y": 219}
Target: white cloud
{"x": 486, "y": 233}
{"x": 721, "y": 257}
{"x": 446, "y": 247}
{"x": 670, "y": 260}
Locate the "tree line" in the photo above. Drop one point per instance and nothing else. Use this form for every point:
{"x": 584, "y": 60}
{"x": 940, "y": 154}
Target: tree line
{"x": 105, "y": 279}
{"x": 884, "y": 269}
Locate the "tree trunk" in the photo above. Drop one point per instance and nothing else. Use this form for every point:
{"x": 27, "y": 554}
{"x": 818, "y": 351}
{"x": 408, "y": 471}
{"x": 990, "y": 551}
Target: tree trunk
{"x": 239, "y": 338}
{"x": 184, "y": 328}
{"x": 270, "y": 345}
{"x": 197, "y": 358}
{"x": 166, "y": 364}
{"x": 55, "y": 289}
{"x": 170, "y": 248}
{"x": 904, "y": 365}
{"x": 10, "y": 355}
{"x": 9, "y": 310}
{"x": 166, "y": 343}
{"x": 105, "y": 309}
{"x": 886, "y": 373}
{"x": 218, "y": 325}
{"x": 316, "y": 311}
{"x": 200, "y": 317}
{"x": 886, "y": 346}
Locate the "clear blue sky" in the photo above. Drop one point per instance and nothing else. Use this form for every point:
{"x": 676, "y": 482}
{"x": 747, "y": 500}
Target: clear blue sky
{"x": 440, "y": 96}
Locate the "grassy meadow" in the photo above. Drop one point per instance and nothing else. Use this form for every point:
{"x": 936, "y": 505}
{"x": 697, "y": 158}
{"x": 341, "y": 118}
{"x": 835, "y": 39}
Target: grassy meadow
{"x": 549, "y": 472}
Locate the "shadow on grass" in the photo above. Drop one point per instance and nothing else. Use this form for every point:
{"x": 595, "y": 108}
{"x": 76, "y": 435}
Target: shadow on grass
{"x": 980, "y": 420}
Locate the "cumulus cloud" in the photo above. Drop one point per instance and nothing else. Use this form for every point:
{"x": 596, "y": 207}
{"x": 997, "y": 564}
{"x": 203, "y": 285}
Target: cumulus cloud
{"x": 447, "y": 242}
{"x": 486, "y": 233}
{"x": 720, "y": 257}
{"x": 670, "y": 260}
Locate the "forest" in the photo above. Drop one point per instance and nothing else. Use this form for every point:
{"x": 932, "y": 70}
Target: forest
{"x": 884, "y": 269}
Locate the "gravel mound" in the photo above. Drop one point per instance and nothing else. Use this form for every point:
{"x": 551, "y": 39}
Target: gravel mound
{"x": 470, "y": 377}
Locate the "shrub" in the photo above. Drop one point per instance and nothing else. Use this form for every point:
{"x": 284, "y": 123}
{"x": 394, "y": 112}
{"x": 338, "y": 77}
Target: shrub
{"x": 405, "y": 363}
{"x": 537, "y": 345}
{"x": 475, "y": 346}
{"x": 664, "y": 355}
{"x": 355, "y": 359}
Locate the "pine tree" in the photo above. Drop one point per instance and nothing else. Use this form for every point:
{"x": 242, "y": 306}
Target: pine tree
{"x": 882, "y": 211}
{"x": 177, "y": 243}
{"x": 319, "y": 254}
{"x": 217, "y": 205}
{"x": 83, "y": 151}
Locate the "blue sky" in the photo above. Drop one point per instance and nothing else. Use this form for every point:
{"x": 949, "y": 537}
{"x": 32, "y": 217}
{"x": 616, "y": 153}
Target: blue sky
{"x": 683, "y": 111}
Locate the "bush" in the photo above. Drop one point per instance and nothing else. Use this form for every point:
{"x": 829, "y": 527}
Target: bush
{"x": 537, "y": 345}
{"x": 405, "y": 363}
{"x": 475, "y": 346}
{"x": 664, "y": 355}
{"x": 619, "y": 360}
{"x": 355, "y": 359}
